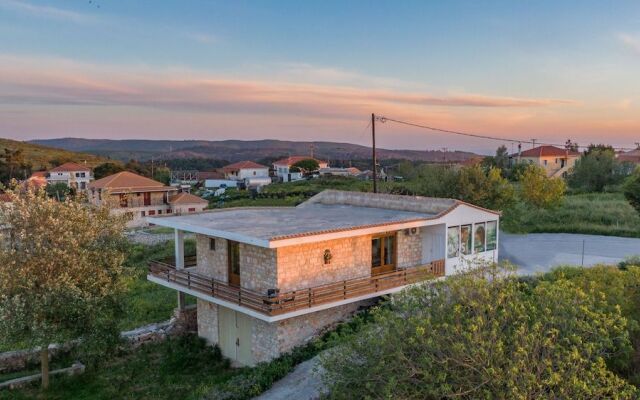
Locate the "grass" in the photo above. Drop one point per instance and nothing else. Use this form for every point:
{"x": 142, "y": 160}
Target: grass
{"x": 147, "y": 302}
{"x": 593, "y": 213}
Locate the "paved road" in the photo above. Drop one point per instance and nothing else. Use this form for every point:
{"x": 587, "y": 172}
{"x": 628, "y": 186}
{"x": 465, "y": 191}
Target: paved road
{"x": 539, "y": 252}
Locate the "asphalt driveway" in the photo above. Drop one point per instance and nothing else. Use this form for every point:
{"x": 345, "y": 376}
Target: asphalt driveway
{"x": 539, "y": 252}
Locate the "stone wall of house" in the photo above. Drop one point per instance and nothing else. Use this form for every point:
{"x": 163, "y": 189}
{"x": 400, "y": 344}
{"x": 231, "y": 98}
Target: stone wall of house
{"x": 409, "y": 249}
{"x": 184, "y": 208}
{"x": 303, "y": 266}
{"x": 208, "y": 321}
{"x": 257, "y": 268}
{"x": 257, "y": 264}
{"x": 270, "y": 340}
{"x": 212, "y": 263}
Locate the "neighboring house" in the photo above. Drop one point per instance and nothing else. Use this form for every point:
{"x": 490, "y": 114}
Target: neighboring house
{"x": 269, "y": 279}
{"x": 283, "y": 166}
{"x": 351, "y": 171}
{"x": 249, "y": 172}
{"x": 555, "y": 161}
{"x": 368, "y": 175}
{"x": 72, "y": 174}
{"x": 138, "y": 197}
{"x": 632, "y": 156}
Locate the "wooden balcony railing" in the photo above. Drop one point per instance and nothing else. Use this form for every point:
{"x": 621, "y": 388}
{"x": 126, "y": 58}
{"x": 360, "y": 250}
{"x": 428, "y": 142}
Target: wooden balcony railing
{"x": 281, "y": 303}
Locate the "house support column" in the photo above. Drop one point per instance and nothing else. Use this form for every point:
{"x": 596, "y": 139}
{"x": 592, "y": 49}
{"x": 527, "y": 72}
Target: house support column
{"x": 179, "y": 256}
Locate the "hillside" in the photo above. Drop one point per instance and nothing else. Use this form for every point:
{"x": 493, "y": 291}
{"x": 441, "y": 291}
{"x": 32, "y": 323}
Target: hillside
{"x": 236, "y": 150}
{"x": 42, "y": 157}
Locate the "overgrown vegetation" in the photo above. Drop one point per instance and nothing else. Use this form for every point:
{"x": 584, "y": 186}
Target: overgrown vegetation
{"x": 181, "y": 368}
{"x": 571, "y": 334}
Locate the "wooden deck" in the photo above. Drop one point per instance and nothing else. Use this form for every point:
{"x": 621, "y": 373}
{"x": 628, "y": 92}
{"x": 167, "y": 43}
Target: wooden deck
{"x": 281, "y": 303}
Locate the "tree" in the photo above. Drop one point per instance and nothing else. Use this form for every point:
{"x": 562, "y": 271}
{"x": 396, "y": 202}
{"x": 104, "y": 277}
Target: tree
{"x": 596, "y": 170}
{"x": 60, "y": 274}
{"x": 59, "y": 191}
{"x": 502, "y": 157}
{"x": 489, "y": 190}
{"x": 162, "y": 174}
{"x": 307, "y": 165}
{"x": 631, "y": 189}
{"x": 106, "y": 169}
{"x": 13, "y": 165}
{"x": 485, "y": 335}
{"x": 539, "y": 190}
{"x": 571, "y": 146}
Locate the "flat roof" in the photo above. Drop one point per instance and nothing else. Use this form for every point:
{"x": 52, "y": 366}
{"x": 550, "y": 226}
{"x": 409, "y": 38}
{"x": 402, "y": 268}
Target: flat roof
{"x": 261, "y": 225}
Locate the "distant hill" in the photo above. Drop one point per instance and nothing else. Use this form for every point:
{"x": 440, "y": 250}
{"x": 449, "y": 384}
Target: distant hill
{"x": 237, "y": 150}
{"x": 43, "y": 157}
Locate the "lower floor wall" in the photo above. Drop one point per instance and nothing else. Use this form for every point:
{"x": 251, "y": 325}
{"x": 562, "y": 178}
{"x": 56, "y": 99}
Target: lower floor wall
{"x": 267, "y": 340}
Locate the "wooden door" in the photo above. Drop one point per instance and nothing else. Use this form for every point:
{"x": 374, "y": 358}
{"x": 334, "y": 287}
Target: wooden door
{"x": 147, "y": 198}
{"x": 234, "y": 262}
{"x": 383, "y": 253}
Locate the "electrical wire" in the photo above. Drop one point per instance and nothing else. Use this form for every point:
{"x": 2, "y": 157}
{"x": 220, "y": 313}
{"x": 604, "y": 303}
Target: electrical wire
{"x": 479, "y": 136}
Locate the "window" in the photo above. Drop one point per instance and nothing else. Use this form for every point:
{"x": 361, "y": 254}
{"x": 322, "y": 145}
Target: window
{"x": 545, "y": 162}
{"x": 152, "y": 212}
{"x": 143, "y": 213}
{"x": 492, "y": 235}
{"x": 453, "y": 241}
{"x": 465, "y": 239}
{"x": 254, "y": 173}
{"x": 383, "y": 253}
{"x": 556, "y": 160}
{"x": 123, "y": 200}
{"x": 159, "y": 212}
{"x": 479, "y": 238}
{"x": 169, "y": 211}
{"x": 212, "y": 244}
{"x": 192, "y": 209}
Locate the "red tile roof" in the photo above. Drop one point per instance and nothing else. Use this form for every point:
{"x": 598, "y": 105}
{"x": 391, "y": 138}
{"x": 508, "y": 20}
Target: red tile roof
{"x": 128, "y": 181}
{"x": 243, "y": 165}
{"x": 630, "y": 156}
{"x": 186, "y": 198}
{"x": 547, "y": 151}
{"x": 203, "y": 175}
{"x": 294, "y": 159}
{"x": 70, "y": 167}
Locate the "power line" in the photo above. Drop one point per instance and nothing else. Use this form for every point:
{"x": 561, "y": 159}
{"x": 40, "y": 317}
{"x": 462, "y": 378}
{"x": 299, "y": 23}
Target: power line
{"x": 479, "y": 136}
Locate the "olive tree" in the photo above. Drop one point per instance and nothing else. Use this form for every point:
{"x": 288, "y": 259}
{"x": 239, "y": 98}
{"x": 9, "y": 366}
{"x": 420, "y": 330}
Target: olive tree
{"x": 60, "y": 273}
{"x": 485, "y": 335}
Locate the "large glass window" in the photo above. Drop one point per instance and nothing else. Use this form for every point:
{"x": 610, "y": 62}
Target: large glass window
{"x": 465, "y": 239}
{"x": 492, "y": 235}
{"x": 376, "y": 252}
{"x": 479, "y": 238}
{"x": 453, "y": 242}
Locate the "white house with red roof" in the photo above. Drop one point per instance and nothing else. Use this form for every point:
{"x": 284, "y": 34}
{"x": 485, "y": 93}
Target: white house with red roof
{"x": 555, "y": 161}
{"x": 283, "y": 166}
{"x": 251, "y": 173}
{"x": 72, "y": 174}
{"x": 269, "y": 279}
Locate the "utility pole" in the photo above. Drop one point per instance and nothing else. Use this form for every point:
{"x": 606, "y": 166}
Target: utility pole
{"x": 373, "y": 147}
{"x": 533, "y": 141}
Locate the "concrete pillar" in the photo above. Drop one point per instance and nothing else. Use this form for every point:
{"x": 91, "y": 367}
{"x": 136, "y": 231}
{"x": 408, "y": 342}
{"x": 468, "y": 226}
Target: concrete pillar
{"x": 179, "y": 254}
{"x": 179, "y": 248}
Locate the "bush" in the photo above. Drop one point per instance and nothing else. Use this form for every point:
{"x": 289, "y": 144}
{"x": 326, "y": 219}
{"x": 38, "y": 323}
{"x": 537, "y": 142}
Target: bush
{"x": 486, "y": 335}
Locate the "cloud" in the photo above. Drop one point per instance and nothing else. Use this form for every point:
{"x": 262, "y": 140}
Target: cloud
{"x": 630, "y": 41}
{"x": 45, "y": 11}
{"x": 23, "y": 81}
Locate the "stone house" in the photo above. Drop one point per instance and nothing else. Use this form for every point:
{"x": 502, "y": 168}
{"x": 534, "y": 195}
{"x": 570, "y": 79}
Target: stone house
{"x": 269, "y": 279}
{"x": 555, "y": 161}
{"x": 138, "y": 197}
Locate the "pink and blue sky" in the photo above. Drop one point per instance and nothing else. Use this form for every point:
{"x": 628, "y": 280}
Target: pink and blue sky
{"x": 304, "y": 70}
